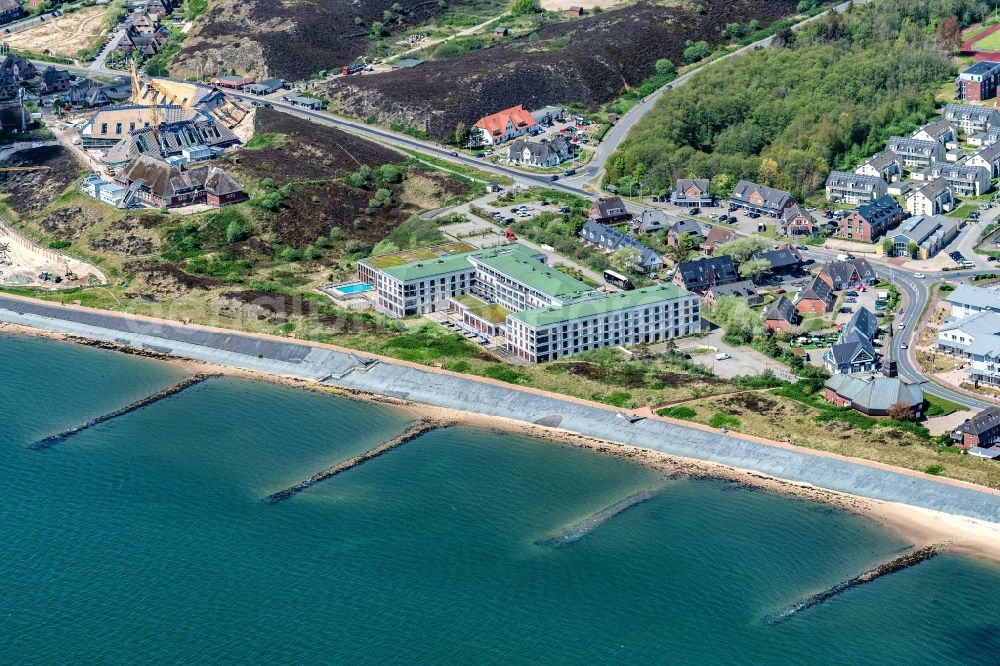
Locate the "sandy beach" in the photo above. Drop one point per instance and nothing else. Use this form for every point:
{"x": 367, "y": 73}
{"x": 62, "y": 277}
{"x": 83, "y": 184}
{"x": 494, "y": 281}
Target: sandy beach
{"x": 916, "y": 525}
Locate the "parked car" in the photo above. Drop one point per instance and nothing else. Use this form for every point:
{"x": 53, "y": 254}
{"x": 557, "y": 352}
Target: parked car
{"x": 852, "y": 293}
{"x": 722, "y": 356}
{"x": 991, "y": 258}
{"x": 753, "y": 215}
{"x": 850, "y": 300}
{"x": 919, "y": 276}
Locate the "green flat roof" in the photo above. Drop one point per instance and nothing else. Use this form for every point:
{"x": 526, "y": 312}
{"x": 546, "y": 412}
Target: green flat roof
{"x": 449, "y": 263}
{"x": 520, "y": 266}
{"x": 418, "y": 254}
{"x": 491, "y": 312}
{"x": 620, "y": 300}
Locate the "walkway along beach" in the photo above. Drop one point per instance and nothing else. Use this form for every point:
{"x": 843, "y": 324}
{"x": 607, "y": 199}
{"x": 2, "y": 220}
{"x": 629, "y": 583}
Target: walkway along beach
{"x": 926, "y": 509}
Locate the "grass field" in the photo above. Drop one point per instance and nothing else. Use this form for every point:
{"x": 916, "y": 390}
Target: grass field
{"x": 988, "y": 43}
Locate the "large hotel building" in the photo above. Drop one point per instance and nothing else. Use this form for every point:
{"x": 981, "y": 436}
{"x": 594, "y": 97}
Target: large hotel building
{"x": 545, "y": 313}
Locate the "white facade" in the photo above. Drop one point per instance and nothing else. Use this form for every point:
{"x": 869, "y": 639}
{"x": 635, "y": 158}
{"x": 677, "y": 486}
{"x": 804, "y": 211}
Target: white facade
{"x": 584, "y": 329}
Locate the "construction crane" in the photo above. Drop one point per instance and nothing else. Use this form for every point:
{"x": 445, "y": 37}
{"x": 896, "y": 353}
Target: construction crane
{"x": 154, "y": 116}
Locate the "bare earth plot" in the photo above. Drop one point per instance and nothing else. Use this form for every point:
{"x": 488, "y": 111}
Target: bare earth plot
{"x": 63, "y": 35}
{"x": 556, "y": 5}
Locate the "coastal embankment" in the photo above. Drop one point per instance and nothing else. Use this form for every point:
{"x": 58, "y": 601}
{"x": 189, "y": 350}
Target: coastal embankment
{"x": 424, "y": 426}
{"x": 577, "y": 531}
{"x": 183, "y": 385}
{"x": 929, "y": 508}
{"x": 904, "y": 561}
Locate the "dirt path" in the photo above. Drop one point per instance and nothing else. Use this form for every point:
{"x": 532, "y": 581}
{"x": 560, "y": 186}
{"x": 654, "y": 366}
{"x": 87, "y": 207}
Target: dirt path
{"x": 64, "y": 35}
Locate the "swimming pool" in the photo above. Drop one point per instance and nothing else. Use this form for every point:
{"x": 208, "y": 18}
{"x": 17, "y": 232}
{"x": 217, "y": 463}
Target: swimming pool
{"x": 347, "y": 289}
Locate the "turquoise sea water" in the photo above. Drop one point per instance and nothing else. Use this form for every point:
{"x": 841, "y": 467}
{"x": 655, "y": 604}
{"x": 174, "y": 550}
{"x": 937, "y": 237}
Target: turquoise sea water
{"x": 144, "y": 541}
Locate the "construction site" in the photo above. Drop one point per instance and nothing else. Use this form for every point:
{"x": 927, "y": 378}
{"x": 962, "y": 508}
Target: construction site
{"x": 155, "y": 151}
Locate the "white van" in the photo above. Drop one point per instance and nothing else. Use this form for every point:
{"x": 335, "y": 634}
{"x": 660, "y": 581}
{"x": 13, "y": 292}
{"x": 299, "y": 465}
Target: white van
{"x": 722, "y": 356}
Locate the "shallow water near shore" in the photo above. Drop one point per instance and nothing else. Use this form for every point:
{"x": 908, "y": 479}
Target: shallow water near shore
{"x": 144, "y": 540}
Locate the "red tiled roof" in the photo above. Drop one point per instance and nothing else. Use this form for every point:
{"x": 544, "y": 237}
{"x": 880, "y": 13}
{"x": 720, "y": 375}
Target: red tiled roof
{"x": 496, "y": 124}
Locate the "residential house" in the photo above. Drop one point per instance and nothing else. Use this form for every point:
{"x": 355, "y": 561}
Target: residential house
{"x": 610, "y": 240}
{"x": 817, "y": 296}
{"x": 608, "y": 210}
{"x": 914, "y": 152}
{"x": 20, "y": 67}
{"x": 146, "y": 24}
{"x": 784, "y": 260}
{"x": 134, "y": 41}
{"x": 716, "y": 236}
{"x": 982, "y": 430}
{"x": 651, "y": 220}
{"x": 505, "y": 125}
{"x": 573, "y": 11}
{"x": 781, "y": 316}
{"x": 88, "y": 96}
{"x": 691, "y": 193}
{"x": 550, "y": 154}
{"x": 854, "y": 350}
{"x": 744, "y": 289}
{"x": 967, "y": 300}
{"x": 9, "y": 87}
{"x": 854, "y": 188}
{"x": 988, "y": 158}
{"x": 977, "y": 338}
{"x": 928, "y": 234}
{"x": 155, "y": 183}
{"x": 699, "y": 275}
{"x": 764, "y": 200}
{"x": 942, "y": 131}
{"x": 874, "y": 396}
{"x": 932, "y": 199}
{"x": 972, "y": 119}
{"x": 983, "y": 139}
{"x": 682, "y": 227}
{"x": 10, "y": 10}
{"x": 978, "y": 82}
{"x": 55, "y": 80}
{"x": 849, "y": 274}
{"x": 871, "y": 220}
{"x": 885, "y": 165}
{"x": 965, "y": 180}
{"x": 797, "y": 221}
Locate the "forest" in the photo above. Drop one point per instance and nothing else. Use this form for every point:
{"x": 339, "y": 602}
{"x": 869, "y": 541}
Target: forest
{"x": 820, "y": 98}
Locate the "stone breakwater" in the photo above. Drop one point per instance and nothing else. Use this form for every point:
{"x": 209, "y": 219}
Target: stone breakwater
{"x": 54, "y": 440}
{"x": 422, "y": 427}
{"x": 904, "y": 561}
{"x": 577, "y": 531}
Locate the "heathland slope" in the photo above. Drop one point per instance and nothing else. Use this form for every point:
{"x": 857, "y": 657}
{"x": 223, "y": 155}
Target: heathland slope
{"x": 590, "y": 61}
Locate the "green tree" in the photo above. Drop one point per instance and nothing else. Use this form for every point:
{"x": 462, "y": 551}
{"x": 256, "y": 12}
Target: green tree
{"x": 381, "y": 199}
{"x": 696, "y": 51}
{"x": 888, "y": 247}
{"x": 237, "y": 230}
{"x": 625, "y": 259}
{"x": 665, "y": 68}
{"x": 742, "y": 323}
{"x": 522, "y": 7}
{"x": 752, "y": 269}
{"x": 741, "y": 249}
{"x": 461, "y": 135}
{"x": 385, "y": 246}
{"x": 912, "y": 249}
{"x": 378, "y": 30}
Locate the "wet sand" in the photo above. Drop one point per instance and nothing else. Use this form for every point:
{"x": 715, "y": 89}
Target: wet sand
{"x": 919, "y": 526}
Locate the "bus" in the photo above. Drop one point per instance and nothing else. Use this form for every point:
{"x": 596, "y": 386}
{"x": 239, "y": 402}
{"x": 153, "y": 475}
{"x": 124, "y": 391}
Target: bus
{"x": 618, "y": 280}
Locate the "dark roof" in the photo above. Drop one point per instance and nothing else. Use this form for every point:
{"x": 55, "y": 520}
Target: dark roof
{"x": 984, "y": 421}
{"x": 784, "y": 310}
{"x": 605, "y": 204}
{"x": 773, "y": 198}
{"x": 795, "y": 210}
{"x": 862, "y": 321}
{"x": 982, "y": 67}
{"x": 52, "y": 75}
{"x": 686, "y": 226}
{"x": 220, "y": 183}
{"x": 702, "y": 273}
{"x": 743, "y": 289}
{"x": 781, "y": 257}
{"x": 819, "y": 290}
{"x": 881, "y": 208}
{"x": 844, "y": 353}
{"x": 685, "y": 183}
{"x": 612, "y": 239}
{"x": 841, "y": 271}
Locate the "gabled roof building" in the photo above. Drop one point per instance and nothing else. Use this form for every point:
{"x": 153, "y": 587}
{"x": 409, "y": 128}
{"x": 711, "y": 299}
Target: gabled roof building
{"x": 759, "y": 198}
{"x": 699, "y": 275}
{"x": 608, "y": 239}
{"x": 691, "y": 193}
{"x": 874, "y": 396}
{"x": 781, "y": 316}
{"x": 853, "y": 188}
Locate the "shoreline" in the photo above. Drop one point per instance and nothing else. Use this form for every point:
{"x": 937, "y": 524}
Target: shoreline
{"x": 920, "y": 526}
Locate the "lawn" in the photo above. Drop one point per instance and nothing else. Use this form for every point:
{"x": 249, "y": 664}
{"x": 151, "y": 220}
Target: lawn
{"x": 940, "y": 406}
{"x": 962, "y": 212}
{"x": 988, "y": 43}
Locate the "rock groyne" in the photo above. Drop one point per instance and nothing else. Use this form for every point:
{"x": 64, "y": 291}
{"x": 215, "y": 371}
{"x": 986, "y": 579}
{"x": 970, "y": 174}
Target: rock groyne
{"x": 422, "y": 427}
{"x": 53, "y": 440}
{"x": 578, "y": 530}
{"x": 904, "y": 561}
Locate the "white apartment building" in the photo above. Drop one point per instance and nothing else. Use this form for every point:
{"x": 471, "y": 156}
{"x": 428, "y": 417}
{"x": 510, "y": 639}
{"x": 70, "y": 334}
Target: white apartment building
{"x": 648, "y": 315}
